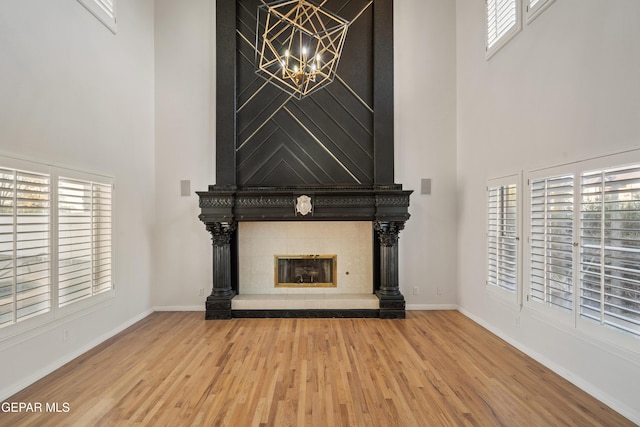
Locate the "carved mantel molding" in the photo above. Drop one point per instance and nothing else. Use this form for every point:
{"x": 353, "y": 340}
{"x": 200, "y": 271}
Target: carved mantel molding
{"x": 388, "y": 231}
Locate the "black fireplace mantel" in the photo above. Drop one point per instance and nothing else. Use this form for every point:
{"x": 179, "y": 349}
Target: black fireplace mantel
{"x": 386, "y": 206}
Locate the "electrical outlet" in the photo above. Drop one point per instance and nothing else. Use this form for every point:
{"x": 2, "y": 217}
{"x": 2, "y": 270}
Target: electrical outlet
{"x": 65, "y": 335}
{"x": 439, "y": 291}
{"x": 416, "y": 291}
{"x": 201, "y": 292}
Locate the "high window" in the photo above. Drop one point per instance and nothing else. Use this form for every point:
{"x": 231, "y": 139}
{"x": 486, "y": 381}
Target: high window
{"x": 503, "y": 22}
{"x": 535, "y": 8}
{"x": 55, "y": 240}
{"x": 104, "y": 10}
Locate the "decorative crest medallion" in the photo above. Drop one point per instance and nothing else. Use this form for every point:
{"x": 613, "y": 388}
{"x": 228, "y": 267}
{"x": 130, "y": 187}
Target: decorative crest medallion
{"x": 304, "y": 206}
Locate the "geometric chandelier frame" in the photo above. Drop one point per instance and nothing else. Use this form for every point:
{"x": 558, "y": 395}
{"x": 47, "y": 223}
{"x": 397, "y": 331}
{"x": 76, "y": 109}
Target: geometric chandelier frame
{"x": 298, "y": 45}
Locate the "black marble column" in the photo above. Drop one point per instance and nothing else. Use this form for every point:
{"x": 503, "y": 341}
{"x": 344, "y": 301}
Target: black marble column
{"x": 392, "y": 304}
{"x": 219, "y": 302}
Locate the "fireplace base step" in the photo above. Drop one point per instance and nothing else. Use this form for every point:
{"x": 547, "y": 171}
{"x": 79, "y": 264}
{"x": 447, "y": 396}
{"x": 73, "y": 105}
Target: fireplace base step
{"x": 305, "y": 305}
{"x": 307, "y": 314}
{"x": 305, "y": 302}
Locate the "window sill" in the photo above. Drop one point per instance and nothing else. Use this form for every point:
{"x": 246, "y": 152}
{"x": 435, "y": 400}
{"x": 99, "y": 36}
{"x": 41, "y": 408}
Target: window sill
{"x": 30, "y": 328}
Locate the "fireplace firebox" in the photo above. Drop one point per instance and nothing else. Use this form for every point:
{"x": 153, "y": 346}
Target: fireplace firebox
{"x": 305, "y": 271}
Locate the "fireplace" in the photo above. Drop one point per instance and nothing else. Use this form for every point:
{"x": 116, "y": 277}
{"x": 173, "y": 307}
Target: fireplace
{"x": 326, "y": 158}
{"x": 305, "y": 271}
{"x": 382, "y": 211}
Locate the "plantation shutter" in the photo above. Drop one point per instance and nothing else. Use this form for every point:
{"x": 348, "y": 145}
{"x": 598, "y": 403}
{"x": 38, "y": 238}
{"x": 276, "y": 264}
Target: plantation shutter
{"x": 25, "y": 275}
{"x": 108, "y": 7}
{"x": 532, "y": 4}
{"x": 84, "y": 239}
{"x": 610, "y": 248}
{"x": 101, "y": 238}
{"x": 551, "y": 274}
{"x": 104, "y": 10}
{"x": 535, "y": 7}
{"x": 501, "y": 17}
{"x": 502, "y": 237}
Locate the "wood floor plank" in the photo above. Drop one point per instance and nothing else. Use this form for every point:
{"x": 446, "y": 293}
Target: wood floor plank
{"x": 433, "y": 368}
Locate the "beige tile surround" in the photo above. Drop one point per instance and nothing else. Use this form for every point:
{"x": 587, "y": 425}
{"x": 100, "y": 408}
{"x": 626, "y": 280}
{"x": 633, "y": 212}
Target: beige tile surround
{"x": 259, "y": 242}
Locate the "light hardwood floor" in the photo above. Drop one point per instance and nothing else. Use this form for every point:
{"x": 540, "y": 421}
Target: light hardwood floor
{"x": 435, "y": 368}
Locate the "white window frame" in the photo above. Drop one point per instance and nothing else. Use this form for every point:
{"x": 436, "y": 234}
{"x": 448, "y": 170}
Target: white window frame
{"x": 510, "y": 296}
{"x": 573, "y": 321}
{"x": 104, "y": 11}
{"x": 27, "y": 168}
{"x": 91, "y": 180}
{"x": 534, "y": 8}
{"x": 37, "y": 323}
{"x": 558, "y": 316}
{"x": 491, "y": 25}
{"x": 551, "y": 237}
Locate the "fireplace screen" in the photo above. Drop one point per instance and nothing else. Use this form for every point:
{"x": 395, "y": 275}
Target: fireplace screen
{"x": 305, "y": 271}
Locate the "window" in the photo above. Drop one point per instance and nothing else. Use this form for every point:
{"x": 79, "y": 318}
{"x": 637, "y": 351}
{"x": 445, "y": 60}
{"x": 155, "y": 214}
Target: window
{"x": 584, "y": 244}
{"x": 551, "y": 241}
{"x": 104, "y": 10}
{"x": 535, "y": 8}
{"x": 610, "y": 248}
{"x": 55, "y": 240}
{"x": 25, "y": 259}
{"x": 502, "y": 236}
{"x": 84, "y": 239}
{"x": 503, "y": 22}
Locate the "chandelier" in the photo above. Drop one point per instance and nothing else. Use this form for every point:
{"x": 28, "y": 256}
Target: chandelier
{"x": 298, "y": 45}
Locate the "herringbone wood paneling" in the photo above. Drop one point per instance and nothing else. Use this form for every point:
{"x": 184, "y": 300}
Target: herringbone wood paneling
{"x": 326, "y": 138}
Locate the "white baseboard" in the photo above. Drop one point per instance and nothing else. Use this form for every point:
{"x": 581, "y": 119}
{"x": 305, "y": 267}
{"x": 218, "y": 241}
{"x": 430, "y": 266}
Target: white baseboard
{"x": 180, "y": 308}
{"x": 633, "y": 414}
{"x": 430, "y": 307}
{"x": 9, "y": 391}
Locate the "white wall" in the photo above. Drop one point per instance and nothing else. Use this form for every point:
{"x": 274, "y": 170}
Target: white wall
{"x": 185, "y": 150}
{"x": 564, "y": 89}
{"x": 72, "y": 94}
{"x": 424, "y": 135}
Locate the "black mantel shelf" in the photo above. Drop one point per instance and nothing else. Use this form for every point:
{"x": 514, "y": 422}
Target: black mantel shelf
{"x": 329, "y": 203}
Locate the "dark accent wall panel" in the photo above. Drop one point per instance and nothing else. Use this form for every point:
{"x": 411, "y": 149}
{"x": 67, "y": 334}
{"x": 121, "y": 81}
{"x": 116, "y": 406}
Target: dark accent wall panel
{"x": 326, "y": 138}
